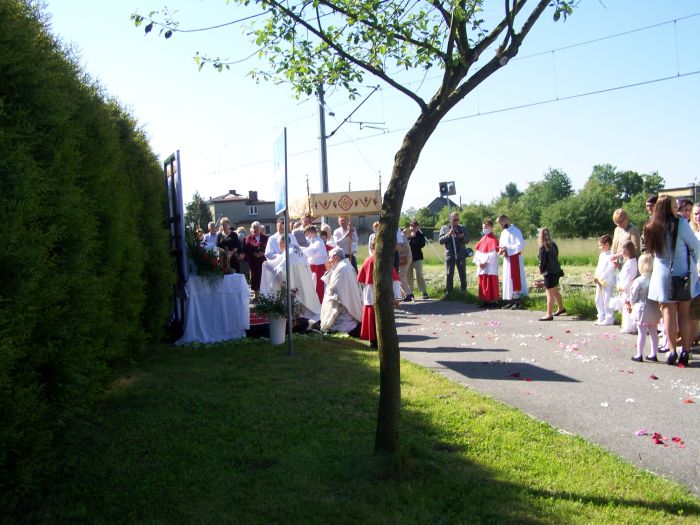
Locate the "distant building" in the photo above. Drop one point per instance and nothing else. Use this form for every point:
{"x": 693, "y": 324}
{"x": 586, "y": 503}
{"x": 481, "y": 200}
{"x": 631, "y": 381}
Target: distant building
{"x": 691, "y": 192}
{"x": 242, "y": 210}
{"x": 439, "y": 203}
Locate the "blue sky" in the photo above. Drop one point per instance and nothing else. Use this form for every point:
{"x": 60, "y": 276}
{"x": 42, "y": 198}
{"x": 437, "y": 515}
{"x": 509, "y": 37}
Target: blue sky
{"x": 225, "y": 125}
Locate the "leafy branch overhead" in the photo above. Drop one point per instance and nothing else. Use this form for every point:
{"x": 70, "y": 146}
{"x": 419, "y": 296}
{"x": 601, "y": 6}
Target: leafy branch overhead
{"x": 336, "y": 43}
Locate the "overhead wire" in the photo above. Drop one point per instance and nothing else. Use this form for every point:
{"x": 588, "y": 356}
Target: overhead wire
{"x": 557, "y": 98}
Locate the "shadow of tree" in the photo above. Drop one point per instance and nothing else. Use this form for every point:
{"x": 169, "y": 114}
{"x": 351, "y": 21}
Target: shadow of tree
{"x": 245, "y": 434}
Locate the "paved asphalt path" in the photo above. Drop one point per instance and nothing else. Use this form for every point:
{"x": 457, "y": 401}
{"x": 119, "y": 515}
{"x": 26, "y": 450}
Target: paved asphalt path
{"x": 572, "y": 374}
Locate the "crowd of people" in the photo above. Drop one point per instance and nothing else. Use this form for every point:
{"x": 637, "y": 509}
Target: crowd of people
{"x": 650, "y": 276}
{"x": 334, "y": 295}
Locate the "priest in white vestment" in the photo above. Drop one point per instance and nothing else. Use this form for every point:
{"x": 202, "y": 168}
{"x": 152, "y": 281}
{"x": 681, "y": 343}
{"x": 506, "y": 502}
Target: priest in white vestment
{"x": 511, "y": 245}
{"x": 274, "y": 275}
{"x": 272, "y": 248}
{"x": 341, "y": 310}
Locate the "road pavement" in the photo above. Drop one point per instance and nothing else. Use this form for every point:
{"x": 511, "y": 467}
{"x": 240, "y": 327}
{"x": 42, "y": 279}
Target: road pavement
{"x": 569, "y": 373}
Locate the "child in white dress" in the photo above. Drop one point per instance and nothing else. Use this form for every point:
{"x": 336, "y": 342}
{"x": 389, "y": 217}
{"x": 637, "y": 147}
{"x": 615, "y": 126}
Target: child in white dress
{"x": 604, "y": 279}
{"x": 645, "y": 312}
{"x": 628, "y": 274}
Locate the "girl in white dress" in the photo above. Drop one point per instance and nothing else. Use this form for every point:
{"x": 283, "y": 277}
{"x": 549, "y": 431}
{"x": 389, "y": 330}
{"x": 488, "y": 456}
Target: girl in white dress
{"x": 628, "y": 274}
{"x": 645, "y": 313}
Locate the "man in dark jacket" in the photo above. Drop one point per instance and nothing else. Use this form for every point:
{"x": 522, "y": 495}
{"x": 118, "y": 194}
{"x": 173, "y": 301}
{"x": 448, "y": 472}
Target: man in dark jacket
{"x": 416, "y": 241}
{"x": 454, "y": 237}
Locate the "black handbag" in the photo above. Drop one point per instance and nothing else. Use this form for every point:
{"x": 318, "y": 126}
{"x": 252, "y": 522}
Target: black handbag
{"x": 679, "y": 285}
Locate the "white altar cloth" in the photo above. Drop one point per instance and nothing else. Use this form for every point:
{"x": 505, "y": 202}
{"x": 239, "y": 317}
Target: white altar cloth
{"x": 217, "y": 311}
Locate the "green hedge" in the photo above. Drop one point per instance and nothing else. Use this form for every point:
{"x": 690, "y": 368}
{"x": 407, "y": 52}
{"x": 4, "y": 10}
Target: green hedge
{"x": 85, "y": 271}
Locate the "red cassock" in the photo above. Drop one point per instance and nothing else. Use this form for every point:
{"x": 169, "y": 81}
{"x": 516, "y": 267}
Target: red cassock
{"x": 488, "y": 282}
{"x": 368, "y": 331}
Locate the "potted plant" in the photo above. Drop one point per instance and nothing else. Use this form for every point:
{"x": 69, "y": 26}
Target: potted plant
{"x": 274, "y": 307}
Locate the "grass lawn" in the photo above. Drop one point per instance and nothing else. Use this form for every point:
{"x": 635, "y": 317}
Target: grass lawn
{"x": 242, "y": 433}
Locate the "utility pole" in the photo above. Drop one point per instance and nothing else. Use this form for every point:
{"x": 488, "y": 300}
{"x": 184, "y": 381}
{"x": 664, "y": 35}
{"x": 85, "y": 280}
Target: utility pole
{"x": 322, "y": 133}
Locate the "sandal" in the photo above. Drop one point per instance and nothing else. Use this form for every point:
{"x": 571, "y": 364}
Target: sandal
{"x": 559, "y": 312}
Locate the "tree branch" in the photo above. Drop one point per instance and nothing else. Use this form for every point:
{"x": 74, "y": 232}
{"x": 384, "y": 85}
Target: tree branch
{"x": 398, "y": 36}
{"x": 494, "y": 34}
{"x": 494, "y": 64}
{"x": 360, "y": 63}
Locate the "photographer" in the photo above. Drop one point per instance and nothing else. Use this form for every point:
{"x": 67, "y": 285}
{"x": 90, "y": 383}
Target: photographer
{"x": 454, "y": 237}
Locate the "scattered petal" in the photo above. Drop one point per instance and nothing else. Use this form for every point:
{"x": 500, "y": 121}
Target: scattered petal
{"x": 549, "y": 337}
{"x": 653, "y": 377}
{"x": 688, "y": 401}
{"x": 629, "y": 400}
{"x": 529, "y": 380}
{"x": 604, "y": 405}
{"x": 642, "y": 432}
{"x": 676, "y": 439}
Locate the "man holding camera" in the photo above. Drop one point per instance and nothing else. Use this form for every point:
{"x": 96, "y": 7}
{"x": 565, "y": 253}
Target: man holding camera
{"x": 454, "y": 237}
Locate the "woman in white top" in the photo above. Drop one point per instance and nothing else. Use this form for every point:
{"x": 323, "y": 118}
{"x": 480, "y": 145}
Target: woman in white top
{"x": 675, "y": 248}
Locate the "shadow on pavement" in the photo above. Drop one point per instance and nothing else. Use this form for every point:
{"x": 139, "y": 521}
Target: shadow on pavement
{"x": 443, "y": 349}
{"x": 506, "y": 371}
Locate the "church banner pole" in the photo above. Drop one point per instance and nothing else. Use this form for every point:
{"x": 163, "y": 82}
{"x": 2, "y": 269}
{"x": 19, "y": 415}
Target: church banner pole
{"x": 282, "y": 206}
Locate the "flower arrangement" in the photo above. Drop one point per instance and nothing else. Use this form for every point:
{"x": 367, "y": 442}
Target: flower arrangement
{"x": 275, "y": 304}
{"x": 206, "y": 263}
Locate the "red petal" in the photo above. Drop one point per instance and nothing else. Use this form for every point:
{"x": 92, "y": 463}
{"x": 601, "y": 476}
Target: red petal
{"x": 529, "y": 380}
{"x": 653, "y": 377}
{"x": 688, "y": 401}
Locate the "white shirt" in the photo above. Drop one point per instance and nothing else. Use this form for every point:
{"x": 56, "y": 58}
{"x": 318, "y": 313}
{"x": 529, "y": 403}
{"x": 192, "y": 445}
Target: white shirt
{"x": 210, "y": 241}
{"x": 316, "y": 252}
{"x": 341, "y": 237}
{"x": 512, "y": 240}
{"x": 273, "y": 250}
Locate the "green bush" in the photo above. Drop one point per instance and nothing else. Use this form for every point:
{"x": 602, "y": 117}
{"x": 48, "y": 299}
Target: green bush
{"x": 86, "y": 274}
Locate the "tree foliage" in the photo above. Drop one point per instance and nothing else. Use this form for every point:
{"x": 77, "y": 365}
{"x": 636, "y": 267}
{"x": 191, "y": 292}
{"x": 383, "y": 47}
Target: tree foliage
{"x": 425, "y": 217}
{"x": 511, "y": 193}
{"x": 85, "y": 265}
{"x": 197, "y": 212}
{"x": 626, "y": 183}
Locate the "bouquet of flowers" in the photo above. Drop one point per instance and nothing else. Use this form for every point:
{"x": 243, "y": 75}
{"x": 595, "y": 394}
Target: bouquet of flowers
{"x": 206, "y": 263}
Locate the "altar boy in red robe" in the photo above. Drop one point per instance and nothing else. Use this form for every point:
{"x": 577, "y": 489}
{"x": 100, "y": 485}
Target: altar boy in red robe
{"x": 486, "y": 259}
{"x": 365, "y": 277}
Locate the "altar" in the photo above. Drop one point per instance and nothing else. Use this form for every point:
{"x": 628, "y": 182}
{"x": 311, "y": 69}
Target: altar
{"x": 216, "y": 310}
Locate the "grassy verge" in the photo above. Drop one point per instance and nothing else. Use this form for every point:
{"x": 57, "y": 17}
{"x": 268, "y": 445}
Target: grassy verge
{"x": 241, "y": 433}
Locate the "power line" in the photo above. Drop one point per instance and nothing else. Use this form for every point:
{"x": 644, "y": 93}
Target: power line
{"x": 557, "y": 98}
{"x": 474, "y": 115}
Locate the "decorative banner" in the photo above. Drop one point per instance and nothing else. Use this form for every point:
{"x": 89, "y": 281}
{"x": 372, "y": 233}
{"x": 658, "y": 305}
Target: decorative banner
{"x": 346, "y": 203}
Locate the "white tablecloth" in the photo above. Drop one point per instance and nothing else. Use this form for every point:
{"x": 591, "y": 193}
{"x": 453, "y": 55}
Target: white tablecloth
{"x": 216, "y": 311}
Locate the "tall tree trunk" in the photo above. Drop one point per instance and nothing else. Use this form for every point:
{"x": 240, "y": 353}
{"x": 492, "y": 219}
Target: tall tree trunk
{"x": 387, "y": 434}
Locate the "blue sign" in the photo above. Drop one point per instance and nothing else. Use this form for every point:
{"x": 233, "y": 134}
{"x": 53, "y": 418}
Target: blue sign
{"x": 279, "y": 161}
